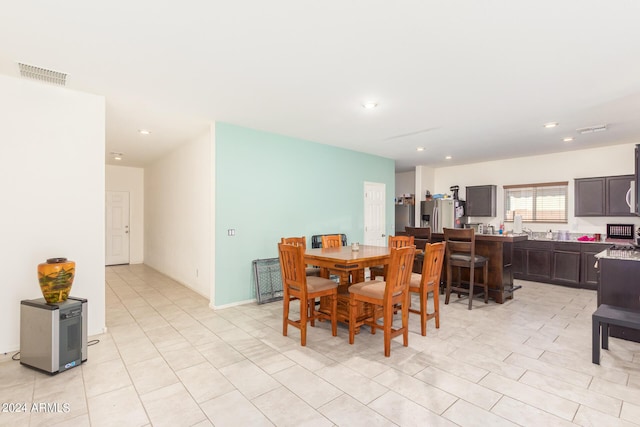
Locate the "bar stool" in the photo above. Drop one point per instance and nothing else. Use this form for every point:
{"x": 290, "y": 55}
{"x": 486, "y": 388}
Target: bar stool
{"x": 461, "y": 253}
{"x": 394, "y": 242}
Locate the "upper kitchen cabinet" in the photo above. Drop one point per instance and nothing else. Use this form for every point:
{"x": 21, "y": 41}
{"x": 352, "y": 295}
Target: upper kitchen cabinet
{"x": 602, "y": 196}
{"x": 616, "y": 195}
{"x": 481, "y": 200}
{"x": 589, "y": 197}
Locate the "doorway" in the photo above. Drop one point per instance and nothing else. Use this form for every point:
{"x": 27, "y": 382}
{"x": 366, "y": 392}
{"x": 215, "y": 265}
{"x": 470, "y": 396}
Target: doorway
{"x": 374, "y": 214}
{"x": 117, "y": 228}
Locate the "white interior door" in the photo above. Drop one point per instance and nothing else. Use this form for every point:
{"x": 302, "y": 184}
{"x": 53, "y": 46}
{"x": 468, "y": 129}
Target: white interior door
{"x": 374, "y": 214}
{"x": 117, "y": 228}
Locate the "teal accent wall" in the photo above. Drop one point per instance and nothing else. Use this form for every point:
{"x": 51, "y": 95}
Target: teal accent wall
{"x": 271, "y": 186}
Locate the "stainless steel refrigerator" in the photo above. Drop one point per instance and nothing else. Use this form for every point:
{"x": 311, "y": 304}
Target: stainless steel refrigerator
{"x": 442, "y": 213}
{"x": 405, "y": 217}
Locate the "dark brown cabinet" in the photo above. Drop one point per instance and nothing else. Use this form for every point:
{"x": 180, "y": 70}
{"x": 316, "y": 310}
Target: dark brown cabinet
{"x": 562, "y": 263}
{"x": 532, "y": 260}
{"x": 589, "y": 197}
{"x": 566, "y": 263}
{"x": 619, "y": 287}
{"x": 518, "y": 261}
{"x": 602, "y": 196}
{"x": 616, "y": 195}
{"x": 481, "y": 200}
{"x": 589, "y": 273}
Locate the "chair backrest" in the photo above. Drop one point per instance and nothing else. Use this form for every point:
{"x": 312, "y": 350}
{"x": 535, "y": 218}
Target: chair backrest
{"x": 419, "y": 232}
{"x": 331, "y": 241}
{"x": 400, "y": 241}
{"x": 292, "y": 268}
{"x": 399, "y": 273}
{"x": 460, "y": 240}
{"x": 432, "y": 265}
{"x": 300, "y": 241}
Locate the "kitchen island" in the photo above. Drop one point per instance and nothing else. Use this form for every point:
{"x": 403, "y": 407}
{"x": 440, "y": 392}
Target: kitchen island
{"x": 498, "y": 248}
{"x": 619, "y": 271}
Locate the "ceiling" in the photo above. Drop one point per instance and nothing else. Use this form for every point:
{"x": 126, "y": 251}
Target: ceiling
{"x": 475, "y": 80}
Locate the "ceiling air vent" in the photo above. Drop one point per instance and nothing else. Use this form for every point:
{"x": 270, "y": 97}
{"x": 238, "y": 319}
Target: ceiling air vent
{"x": 591, "y": 129}
{"x": 42, "y": 74}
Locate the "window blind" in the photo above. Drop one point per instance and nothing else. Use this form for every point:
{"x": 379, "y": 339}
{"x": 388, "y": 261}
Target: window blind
{"x": 545, "y": 202}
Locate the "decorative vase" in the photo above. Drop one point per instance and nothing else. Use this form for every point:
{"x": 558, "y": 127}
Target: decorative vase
{"x": 56, "y": 277}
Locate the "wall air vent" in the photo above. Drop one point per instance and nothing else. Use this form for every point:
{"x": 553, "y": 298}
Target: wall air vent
{"x": 42, "y": 74}
{"x": 591, "y": 129}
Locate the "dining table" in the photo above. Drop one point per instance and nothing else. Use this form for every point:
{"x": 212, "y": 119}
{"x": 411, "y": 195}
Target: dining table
{"x": 345, "y": 262}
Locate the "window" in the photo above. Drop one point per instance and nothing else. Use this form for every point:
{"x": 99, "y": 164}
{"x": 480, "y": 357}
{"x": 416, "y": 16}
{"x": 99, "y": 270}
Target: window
{"x": 536, "y": 202}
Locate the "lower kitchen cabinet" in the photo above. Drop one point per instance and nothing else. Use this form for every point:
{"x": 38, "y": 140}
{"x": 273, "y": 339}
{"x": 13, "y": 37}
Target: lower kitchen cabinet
{"x": 557, "y": 262}
{"x": 566, "y": 266}
{"x": 538, "y": 264}
{"x": 589, "y": 273}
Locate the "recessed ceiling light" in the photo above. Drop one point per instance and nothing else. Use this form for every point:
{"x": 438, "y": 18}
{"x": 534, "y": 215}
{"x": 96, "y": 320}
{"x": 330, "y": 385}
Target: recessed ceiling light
{"x": 117, "y": 158}
{"x": 144, "y": 132}
{"x": 447, "y": 158}
{"x": 551, "y": 125}
{"x": 568, "y": 139}
{"x": 420, "y": 149}
{"x": 370, "y": 105}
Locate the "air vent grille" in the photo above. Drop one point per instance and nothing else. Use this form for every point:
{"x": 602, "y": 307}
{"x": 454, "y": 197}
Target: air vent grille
{"x": 42, "y": 74}
{"x": 591, "y": 129}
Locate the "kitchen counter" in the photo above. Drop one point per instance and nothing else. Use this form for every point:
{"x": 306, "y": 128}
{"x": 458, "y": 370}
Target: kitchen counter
{"x": 619, "y": 286}
{"x": 620, "y": 252}
{"x": 498, "y": 248}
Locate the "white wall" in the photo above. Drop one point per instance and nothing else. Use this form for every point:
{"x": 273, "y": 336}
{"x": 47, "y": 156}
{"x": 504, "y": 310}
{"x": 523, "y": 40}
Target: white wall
{"x": 178, "y": 214}
{"x": 131, "y": 180}
{"x": 425, "y": 181}
{"x": 614, "y": 160}
{"x": 405, "y": 183}
{"x": 52, "y": 170}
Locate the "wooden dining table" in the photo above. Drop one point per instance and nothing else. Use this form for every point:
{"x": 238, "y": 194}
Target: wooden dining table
{"x": 346, "y": 263}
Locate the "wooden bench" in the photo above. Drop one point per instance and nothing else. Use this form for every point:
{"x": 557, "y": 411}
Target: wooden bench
{"x": 607, "y": 315}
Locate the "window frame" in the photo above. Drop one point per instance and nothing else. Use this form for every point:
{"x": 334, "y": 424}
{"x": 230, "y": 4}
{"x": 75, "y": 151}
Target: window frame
{"x": 534, "y": 209}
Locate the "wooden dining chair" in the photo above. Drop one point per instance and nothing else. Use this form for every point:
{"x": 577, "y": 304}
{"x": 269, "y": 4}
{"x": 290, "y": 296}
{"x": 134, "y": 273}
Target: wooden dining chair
{"x": 296, "y": 285}
{"x": 389, "y": 295}
{"x": 461, "y": 253}
{"x": 428, "y": 281}
{"x": 394, "y": 242}
{"x": 302, "y": 241}
{"x": 335, "y": 241}
{"x": 331, "y": 241}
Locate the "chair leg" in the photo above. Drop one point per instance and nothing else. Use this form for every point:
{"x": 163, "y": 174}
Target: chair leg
{"x": 352, "y": 318}
{"x": 471, "y": 274}
{"x": 387, "y": 319}
{"x": 312, "y": 311}
{"x": 448, "y": 291}
{"x": 436, "y": 303}
{"x": 423, "y": 310}
{"x": 304, "y": 306}
{"x": 405, "y": 322}
{"x": 334, "y": 314}
{"x": 485, "y": 277}
{"x": 285, "y": 313}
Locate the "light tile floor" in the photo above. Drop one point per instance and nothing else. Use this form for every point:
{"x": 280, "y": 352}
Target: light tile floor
{"x": 169, "y": 360}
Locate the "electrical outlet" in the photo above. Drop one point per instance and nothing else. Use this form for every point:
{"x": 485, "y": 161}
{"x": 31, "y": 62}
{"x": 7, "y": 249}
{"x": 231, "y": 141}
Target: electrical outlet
{"x": 231, "y": 232}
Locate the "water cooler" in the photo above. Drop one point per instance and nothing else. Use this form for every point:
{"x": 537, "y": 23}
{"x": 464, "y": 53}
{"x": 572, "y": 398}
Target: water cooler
{"x": 53, "y": 337}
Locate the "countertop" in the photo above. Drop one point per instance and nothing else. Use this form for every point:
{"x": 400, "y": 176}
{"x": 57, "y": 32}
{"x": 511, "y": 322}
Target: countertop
{"x": 620, "y": 254}
{"x": 492, "y": 237}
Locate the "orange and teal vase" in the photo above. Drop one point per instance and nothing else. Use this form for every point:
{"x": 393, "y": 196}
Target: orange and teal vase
{"x": 56, "y": 277}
